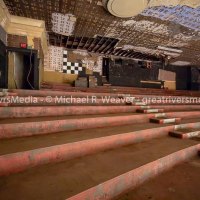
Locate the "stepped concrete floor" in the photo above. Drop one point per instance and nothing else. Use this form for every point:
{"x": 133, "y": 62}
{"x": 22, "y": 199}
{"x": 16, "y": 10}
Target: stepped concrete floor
{"x": 39, "y": 119}
{"x": 33, "y": 142}
{"x": 52, "y": 118}
{"x": 59, "y": 181}
{"x": 66, "y": 179}
{"x": 181, "y": 182}
{"x": 185, "y": 133}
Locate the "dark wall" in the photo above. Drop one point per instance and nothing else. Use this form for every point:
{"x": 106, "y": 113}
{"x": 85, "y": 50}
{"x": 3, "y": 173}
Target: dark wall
{"x": 3, "y": 35}
{"x": 3, "y": 66}
{"x": 195, "y": 78}
{"x": 183, "y": 76}
{"x": 130, "y": 73}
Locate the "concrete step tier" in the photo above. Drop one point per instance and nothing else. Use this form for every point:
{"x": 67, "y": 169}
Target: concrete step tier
{"x": 89, "y": 102}
{"x": 114, "y": 188}
{"x": 161, "y": 186}
{"x": 150, "y": 110}
{"x": 21, "y": 161}
{"x": 45, "y": 111}
{"x": 165, "y": 120}
{"x": 47, "y": 127}
{"x": 49, "y": 151}
{"x": 42, "y": 111}
{"x": 127, "y": 90}
{"x": 94, "y": 171}
{"x": 108, "y": 92}
{"x": 49, "y": 101}
{"x": 77, "y": 94}
{"x": 7, "y": 94}
{"x": 37, "y": 98}
{"x": 185, "y": 133}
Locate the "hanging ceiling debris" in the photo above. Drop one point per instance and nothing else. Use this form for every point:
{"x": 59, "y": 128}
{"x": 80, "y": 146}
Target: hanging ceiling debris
{"x": 170, "y": 25}
{"x": 63, "y": 24}
{"x": 99, "y": 45}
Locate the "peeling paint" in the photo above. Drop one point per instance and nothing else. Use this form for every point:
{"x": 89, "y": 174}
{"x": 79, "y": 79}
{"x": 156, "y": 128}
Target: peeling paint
{"x": 184, "y": 15}
{"x": 81, "y": 52}
{"x": 92, "y": 65}
{"x": 147, "y": 26}
{"x": 181, "y": 36}
{"x": 99, "y": 3}
{"x": 63, "y": 24}
{"x": 139, "y": 49}
{"x": 191, "y": 3}
{"x": 113, "y": 33}
{"x": 129, "y": 23}
{"x": 176, "y": 44}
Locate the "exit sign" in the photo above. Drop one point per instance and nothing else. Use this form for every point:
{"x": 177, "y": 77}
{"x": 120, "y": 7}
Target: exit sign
{"x": 23, "y": 45}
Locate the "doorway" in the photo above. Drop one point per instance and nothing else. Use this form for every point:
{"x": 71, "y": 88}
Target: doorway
{"x": 106, "y": 64}
{"x": 23, "y": 69}
{"x": 3, "y": 67}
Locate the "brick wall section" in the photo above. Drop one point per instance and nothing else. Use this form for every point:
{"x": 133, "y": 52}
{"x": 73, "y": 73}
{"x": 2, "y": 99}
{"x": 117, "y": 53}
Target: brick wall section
{"x": 15, "y": 40}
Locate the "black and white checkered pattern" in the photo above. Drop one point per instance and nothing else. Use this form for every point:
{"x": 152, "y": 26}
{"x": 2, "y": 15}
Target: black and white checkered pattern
{"x": 69, "y": 67}
{"x": 72, "y": 68}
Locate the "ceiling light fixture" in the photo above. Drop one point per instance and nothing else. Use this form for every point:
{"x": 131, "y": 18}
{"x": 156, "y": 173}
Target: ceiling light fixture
{"x": 131, "y": 8}
{"x": 125, "y": 8}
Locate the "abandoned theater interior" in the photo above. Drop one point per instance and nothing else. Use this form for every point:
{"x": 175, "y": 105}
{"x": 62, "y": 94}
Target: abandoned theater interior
{"x": 99, "y": 99}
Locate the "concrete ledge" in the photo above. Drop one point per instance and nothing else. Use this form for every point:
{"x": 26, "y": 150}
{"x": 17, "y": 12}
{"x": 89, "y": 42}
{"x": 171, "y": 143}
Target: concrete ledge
{"x": 47, "y": 127}
{"x": 123, "y": 90}
{"x": 184, "y": 134}
{"x": 44, "y": 93}
{"x": 63, "y": 101}
{"x": 4, "y": 105}
{"x": 170, "y": 108}
{"x": 120, "y": 185}
{"x": 19, "y": 112}
{"x": 150, "y": 110}
{"x": 137, "y": 104}
{"x": 4, "y": 94}
{"x": 165, "y": 120}
{"x": 17, "y": 162}
{"x": 184, "y": 115}
{"x": 187, "y": 126}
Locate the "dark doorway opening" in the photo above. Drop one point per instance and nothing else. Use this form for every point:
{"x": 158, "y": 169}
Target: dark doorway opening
{"x": 3, "y": 66}
{"x": 23, "y": 67}
{"x": 106, "y": 65}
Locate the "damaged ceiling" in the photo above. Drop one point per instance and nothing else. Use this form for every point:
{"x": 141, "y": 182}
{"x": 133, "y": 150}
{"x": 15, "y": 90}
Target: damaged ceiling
{"x": 176, "y": 26}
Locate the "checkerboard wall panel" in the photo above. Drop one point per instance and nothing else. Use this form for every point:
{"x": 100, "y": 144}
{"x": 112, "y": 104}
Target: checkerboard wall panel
{"x": 72, "y": 68}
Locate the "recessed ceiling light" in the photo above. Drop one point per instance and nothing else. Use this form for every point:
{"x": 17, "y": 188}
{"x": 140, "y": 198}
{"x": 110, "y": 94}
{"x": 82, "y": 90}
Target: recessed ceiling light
{"x": 125, "y": 8}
